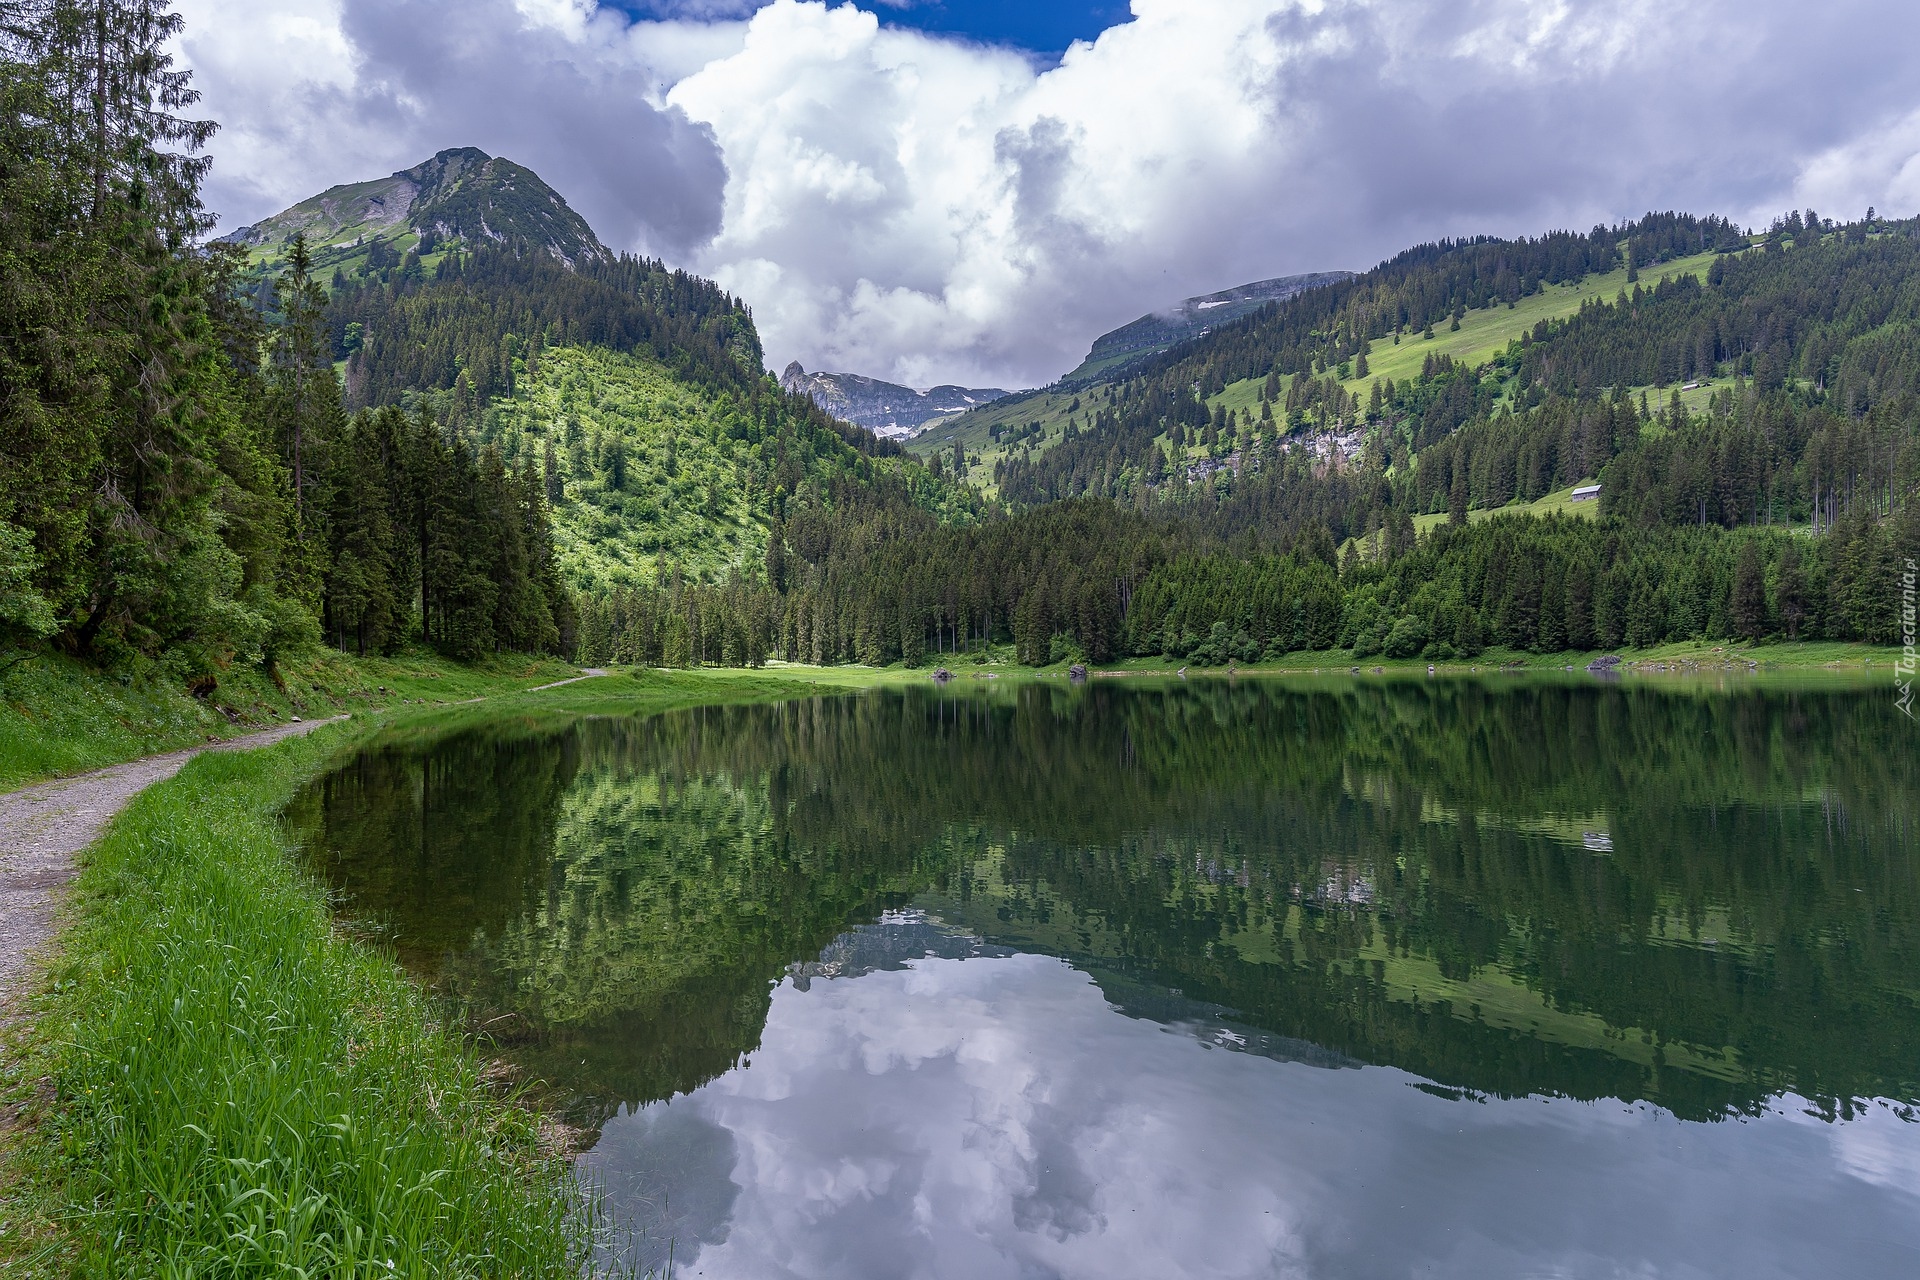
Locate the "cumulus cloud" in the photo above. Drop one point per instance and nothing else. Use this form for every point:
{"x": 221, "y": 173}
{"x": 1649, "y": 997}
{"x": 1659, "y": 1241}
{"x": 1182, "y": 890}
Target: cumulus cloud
{"x": 931, "y": 209}
{"x": 1880, "y": 168}
{"x": 317, "y": 92}
{"x": 996, "y": 1117}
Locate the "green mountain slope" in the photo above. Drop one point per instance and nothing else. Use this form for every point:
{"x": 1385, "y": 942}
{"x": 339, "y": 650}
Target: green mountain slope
{"x": 635, "y": 391}
{"x": 1483, "y": 334}
{"x": 1467, "y": 301}
{"x": 645, "y": 470}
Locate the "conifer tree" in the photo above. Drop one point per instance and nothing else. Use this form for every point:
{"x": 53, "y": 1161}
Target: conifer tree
{"x": 304, "y": 402}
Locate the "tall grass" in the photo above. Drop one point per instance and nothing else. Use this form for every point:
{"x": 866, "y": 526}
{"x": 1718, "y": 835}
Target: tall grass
{"x": 242, "y": 1092}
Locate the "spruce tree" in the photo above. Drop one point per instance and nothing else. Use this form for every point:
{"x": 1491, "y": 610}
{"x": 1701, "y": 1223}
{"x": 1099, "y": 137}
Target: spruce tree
{"x": 1747, "y": 609}
{"x": 304, "y": 403}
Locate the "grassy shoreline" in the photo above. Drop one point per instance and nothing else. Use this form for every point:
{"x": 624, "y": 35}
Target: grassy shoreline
{"x": 58, "y": 717}
{"x": 1663, "y": 659}
{"x": 230, "y": 1085}
{"x": 1821, "y": 659}
{"x": 216, "y": 1080}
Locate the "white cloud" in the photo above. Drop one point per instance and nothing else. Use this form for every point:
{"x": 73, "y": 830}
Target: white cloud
{"x": 1880, "y": 168}
{"x": 929, "y": 209}
{"x": 925, "y": 210}
{"x": 316, "y": 92}
{"x": 275, "y": 76}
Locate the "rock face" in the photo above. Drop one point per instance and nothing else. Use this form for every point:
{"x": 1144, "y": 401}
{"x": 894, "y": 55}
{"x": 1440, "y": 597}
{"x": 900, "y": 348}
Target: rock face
{"x": 887, "y": 409}
{"x": 1193, "y": 317}
{"x": 461, "y": 193}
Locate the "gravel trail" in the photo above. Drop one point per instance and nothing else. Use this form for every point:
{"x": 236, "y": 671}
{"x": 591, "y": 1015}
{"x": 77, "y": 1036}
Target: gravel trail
{"x": 589, "y": 673}
{"x": 43, "y": 826}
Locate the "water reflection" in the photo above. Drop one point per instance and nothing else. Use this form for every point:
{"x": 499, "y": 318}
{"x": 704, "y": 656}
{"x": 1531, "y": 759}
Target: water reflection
{"x": 995, "y": 1118}
{"x": 947, "y": 980}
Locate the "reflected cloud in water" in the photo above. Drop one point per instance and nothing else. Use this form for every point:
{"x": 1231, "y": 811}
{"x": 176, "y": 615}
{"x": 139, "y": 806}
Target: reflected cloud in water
{"x": 995, "y": 1116}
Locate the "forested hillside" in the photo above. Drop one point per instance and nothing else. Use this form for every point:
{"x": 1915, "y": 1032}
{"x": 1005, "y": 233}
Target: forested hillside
{"x": 181, "y": 485}
{"x": 634, "y": 392}
{"x": 468, "y": 412}
{"x": 1750, "y": 407}
{"x": 484, "y": 442}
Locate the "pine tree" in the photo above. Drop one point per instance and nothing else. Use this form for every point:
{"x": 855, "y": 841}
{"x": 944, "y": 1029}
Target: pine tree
{"x": 362, "y": 608}
{"x": 554, "y": 479}
{"x": 1748, "y": 607}
{"x": 304, "y": 400}
{"x": 108, "y": 66}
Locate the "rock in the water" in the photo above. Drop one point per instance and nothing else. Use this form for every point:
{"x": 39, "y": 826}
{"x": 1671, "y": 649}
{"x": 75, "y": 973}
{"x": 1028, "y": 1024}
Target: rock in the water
{"x": 1077, "y": 671}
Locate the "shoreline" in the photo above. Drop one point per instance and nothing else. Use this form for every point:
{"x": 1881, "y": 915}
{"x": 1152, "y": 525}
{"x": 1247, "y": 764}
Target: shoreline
{"x": 197, "y": 877}
{"x": 200, "y": 1006}
{"x": 58, "y": 719}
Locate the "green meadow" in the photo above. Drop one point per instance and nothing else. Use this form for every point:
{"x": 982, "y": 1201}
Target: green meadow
{"x": 1483, "y": 335}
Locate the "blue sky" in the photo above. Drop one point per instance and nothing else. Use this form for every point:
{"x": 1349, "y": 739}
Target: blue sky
{"x": 1043, "y": 26}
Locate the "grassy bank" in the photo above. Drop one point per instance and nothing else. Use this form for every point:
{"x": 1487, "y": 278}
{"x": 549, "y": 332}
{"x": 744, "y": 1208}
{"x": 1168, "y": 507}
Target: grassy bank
{"x": 234, "y": 1088}
{"x": 58, "y": 716}
{"x": 219, "y": 1083}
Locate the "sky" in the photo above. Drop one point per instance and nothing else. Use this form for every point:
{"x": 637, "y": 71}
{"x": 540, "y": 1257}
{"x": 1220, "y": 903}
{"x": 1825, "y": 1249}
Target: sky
{"x": 1035, "y": 25}
{"x": 972, "y": 191}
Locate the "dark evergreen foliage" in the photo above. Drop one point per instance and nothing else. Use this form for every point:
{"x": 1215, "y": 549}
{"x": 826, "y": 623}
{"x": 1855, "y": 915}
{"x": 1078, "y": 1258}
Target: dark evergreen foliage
{"x": 165, "y": 493}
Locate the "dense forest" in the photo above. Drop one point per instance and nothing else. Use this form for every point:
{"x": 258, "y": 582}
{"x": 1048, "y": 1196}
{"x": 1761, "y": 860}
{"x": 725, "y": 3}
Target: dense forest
{"x": 1095, "y": 581}
{"x": 180, "y": 482}
{"x": 206, "y": 457}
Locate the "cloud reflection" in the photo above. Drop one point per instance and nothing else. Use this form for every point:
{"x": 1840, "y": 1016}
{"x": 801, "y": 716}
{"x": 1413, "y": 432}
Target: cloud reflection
{"x": 997, "y": 1117}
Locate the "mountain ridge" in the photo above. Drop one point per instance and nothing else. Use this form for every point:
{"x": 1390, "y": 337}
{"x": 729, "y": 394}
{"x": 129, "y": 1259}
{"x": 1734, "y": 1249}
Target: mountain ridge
{"x": 1190, "y": 318}
{"x": 459, "y": 194}
{"x": 889, "y": 410}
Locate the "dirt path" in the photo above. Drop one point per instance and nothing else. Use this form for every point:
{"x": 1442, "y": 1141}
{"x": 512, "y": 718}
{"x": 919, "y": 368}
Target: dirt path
{"x": 43, "y": 826}
{"x": 586, "y": 673}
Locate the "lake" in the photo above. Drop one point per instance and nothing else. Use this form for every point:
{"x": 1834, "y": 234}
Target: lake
{"x": 1354, "y": 978}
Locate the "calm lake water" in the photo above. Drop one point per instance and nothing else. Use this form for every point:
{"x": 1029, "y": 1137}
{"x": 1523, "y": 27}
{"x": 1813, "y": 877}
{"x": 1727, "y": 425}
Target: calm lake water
{"x": 1356, "y": 979}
